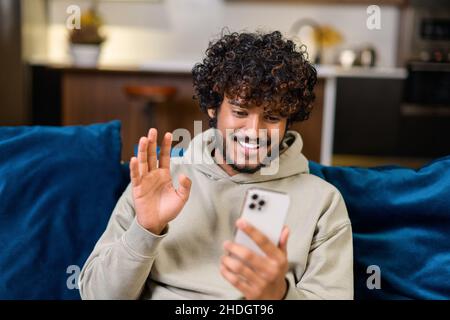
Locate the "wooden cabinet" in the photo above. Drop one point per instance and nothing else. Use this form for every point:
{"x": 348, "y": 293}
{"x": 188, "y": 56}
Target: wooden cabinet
{"x": 311, "y": 129}
{"x": 13, "y": 109}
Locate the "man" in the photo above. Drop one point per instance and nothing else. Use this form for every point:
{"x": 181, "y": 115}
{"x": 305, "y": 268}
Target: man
{"x": 171, "y": 233}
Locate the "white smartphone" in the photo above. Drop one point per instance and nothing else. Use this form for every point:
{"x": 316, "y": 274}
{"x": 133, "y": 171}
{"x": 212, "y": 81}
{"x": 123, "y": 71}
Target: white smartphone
{"x": 266, "y": 210}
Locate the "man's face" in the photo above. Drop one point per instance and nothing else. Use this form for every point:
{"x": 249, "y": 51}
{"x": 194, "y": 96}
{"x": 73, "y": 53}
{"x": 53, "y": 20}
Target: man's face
{"x": 249, "y": 134}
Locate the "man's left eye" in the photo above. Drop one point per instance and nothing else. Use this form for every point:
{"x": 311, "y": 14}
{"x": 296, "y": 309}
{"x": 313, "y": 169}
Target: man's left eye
{"x": 240, "y": 113}
{"x": 272, "y": 119}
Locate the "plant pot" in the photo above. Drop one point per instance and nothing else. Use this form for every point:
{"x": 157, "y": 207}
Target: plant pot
{"x": 85, "y": 55}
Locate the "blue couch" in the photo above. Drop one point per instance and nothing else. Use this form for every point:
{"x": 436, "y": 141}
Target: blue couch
{"x": 58, "y": 186}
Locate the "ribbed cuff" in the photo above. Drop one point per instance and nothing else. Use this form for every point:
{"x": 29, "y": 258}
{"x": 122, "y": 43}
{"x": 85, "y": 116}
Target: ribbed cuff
{"x": 142, "y": 242}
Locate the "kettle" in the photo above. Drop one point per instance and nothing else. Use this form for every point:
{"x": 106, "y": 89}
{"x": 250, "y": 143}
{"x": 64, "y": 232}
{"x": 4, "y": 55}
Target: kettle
{"x": 367, "y": 57}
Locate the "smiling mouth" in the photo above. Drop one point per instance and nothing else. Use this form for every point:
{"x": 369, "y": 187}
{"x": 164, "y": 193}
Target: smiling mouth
{"x": 246, "y": 143}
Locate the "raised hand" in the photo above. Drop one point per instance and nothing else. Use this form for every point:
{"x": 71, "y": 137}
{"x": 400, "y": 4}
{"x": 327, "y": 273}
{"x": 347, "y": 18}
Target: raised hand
{"x": 156, "y": 200}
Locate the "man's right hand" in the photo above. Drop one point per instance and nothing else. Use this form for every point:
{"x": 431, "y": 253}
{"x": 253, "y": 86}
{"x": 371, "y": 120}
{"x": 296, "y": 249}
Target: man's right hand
{"x": 156, "y": 200}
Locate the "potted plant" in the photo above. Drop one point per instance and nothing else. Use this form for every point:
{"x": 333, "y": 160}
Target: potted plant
{"x": 327, "y": 38}
{"x": 85, "y": 42}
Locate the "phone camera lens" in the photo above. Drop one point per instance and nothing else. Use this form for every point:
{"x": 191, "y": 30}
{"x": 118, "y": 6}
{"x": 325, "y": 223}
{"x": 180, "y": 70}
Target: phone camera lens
{"x": 252, "y": 206}
{"x": 255, "y": 196}
{"x": 261, "y": 202}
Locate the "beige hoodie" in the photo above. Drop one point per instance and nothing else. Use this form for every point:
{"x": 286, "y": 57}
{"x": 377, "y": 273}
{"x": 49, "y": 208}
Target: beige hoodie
{"x": 129, "y": 262}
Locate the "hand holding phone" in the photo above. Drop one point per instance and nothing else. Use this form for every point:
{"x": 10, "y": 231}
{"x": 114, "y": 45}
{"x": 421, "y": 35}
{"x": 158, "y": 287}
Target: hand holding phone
{"x": 266, "y": 210}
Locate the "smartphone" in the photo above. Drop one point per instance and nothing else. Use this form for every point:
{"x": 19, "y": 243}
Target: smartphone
{"x": 266, "y": 210}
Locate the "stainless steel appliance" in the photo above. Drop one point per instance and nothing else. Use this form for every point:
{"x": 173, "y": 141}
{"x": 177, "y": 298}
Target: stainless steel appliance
{"x": 424, "y": 122}
{"x": 426, "y": 54}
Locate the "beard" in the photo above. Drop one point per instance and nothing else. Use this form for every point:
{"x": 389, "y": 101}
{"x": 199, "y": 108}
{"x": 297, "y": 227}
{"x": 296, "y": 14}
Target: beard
{"x": 242, "y": 167}
{"x": 246, "y": 169}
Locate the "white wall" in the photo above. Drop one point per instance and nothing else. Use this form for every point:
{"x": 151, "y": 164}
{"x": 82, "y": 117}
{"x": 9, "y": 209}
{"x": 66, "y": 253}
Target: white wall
{"x": 180, "y": 29}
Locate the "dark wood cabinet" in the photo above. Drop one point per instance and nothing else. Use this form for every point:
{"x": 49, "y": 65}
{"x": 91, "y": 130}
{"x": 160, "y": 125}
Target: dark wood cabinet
{"x": 13, "y": 110}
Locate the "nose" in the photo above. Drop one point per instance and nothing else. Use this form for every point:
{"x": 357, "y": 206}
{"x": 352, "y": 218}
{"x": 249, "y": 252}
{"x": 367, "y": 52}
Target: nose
{"x": 254, "y": 123}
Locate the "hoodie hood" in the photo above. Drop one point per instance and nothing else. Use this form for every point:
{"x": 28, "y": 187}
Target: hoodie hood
{"x": 290, "y": 161}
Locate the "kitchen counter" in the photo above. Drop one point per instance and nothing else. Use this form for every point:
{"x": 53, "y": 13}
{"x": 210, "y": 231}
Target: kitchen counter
{"x": 323, "y": 71}
{"x": 185, "y": 66}
{"x": 327, "y": 71}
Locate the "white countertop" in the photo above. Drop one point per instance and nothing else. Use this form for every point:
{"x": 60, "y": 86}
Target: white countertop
{"x": 323, "y": 71}
{"x": 327, "y": 71}
{"x": 168, "y": 66}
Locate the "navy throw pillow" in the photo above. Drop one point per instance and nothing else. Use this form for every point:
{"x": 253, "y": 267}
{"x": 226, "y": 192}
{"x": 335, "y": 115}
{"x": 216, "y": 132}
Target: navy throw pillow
{"x": 58, "y": 187}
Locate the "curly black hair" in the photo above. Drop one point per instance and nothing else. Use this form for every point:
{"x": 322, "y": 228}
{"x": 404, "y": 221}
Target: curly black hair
{"x": 259, "y": 69}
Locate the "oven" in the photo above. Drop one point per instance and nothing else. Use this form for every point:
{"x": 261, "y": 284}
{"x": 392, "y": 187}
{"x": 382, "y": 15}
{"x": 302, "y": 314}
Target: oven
{"x": 426, "y": 51}
{"x": 424, "y": 123}
{"x": 428, "y": 84}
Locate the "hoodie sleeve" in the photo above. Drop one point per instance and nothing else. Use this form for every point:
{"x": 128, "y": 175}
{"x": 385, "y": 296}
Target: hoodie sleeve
{"x": 121, "y": 261}
{"x": 329, "y": 269}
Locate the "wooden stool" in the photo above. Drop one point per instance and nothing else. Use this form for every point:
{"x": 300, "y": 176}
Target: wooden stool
{"x": 142, "y": 117}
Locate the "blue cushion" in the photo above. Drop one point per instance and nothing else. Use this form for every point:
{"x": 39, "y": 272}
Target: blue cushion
{"x": 58, "y": 187}
{"x": 401, "y": 223}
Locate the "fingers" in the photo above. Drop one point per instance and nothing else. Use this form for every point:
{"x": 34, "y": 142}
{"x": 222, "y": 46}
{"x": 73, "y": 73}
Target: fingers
{"x": 184, "y": 187}
{"x": 147, "y": 151}
{"x": 142, "y": 156}
{"x": 238, "y": 267}
{"x": 134, "y": 172}
{"x": 164, "y": 155}
{"x": 283, "y": 239}
{"x": 152, "y": 156}
{"x": 267, "y": 246}
{"x": 257, "y": 262}
{"x": 237, "y": 281}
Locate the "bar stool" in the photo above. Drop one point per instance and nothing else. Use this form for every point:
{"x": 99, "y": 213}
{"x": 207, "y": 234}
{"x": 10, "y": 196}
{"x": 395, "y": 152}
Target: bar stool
{"x": 144, "y": 100}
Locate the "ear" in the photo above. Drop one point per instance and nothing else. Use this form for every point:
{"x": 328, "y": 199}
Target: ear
{"x": 212, "y": 113}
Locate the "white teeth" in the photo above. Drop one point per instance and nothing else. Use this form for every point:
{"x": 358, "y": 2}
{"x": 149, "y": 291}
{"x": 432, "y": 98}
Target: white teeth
{"x": 248, "y": 145}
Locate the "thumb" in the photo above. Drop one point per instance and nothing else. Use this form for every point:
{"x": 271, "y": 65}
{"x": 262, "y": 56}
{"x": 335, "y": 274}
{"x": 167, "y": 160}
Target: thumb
{"x": 184, "y": 187}
{"x": 284, "y": 238}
